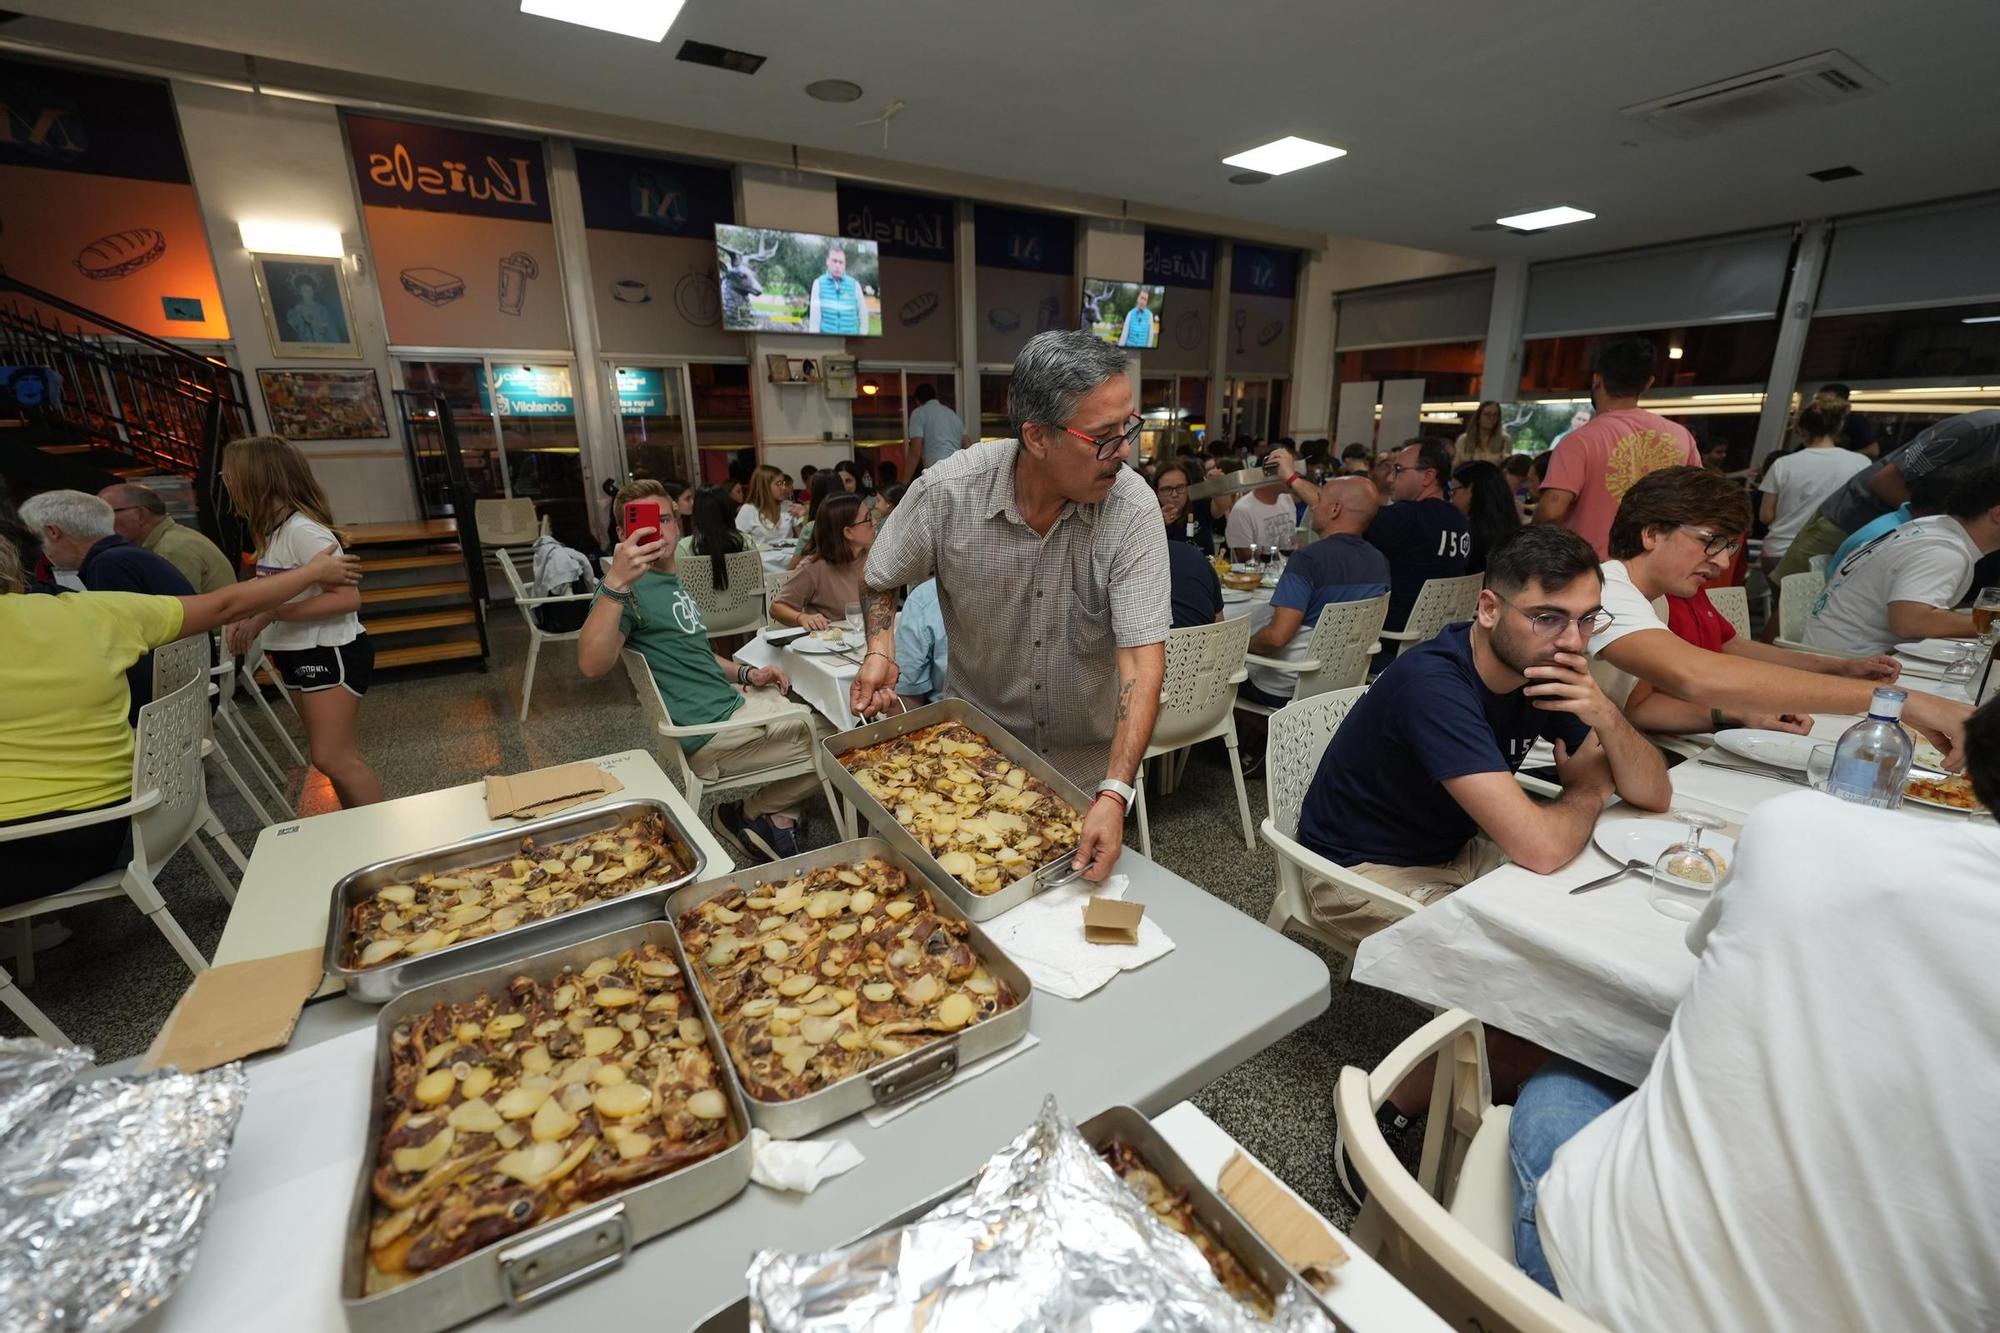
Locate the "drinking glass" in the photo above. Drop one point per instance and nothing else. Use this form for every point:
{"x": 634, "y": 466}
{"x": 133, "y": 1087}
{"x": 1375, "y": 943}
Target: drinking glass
{"x": 1819, "y": 766}
{"x": 1986, "y": 615}
{"x": 1959, "y": 672}
{"x": 852, "y": 618}
{"x": 1686, "y": 873}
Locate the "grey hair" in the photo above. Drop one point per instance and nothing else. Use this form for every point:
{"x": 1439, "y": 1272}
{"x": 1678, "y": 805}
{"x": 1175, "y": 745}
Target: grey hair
{"x": 140, "y": 497}
{"x": 74, "y": 513}
{"x": 1053, "y": 371}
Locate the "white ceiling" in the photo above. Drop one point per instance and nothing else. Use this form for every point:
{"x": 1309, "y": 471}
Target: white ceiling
{"x": 1453, "y": 112}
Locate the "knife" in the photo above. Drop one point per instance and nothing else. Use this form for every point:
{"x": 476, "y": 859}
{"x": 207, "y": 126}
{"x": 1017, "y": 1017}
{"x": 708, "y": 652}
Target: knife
{"x": 1776, "y": 775}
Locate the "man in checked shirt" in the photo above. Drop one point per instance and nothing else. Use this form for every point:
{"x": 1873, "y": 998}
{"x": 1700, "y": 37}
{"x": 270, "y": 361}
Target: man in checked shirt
{"x": 1051, "y": 569}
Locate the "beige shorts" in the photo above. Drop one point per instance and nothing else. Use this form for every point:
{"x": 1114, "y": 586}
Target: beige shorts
{"x": 1353, "y": 917}
{"x": 782, "y": 740}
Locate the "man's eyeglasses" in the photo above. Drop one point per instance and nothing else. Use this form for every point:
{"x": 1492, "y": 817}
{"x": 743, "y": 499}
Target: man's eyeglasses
{"x": 1550, "y": 624}
{"x": 1715, "y": 544}
{"x": 1398, "y": 469}
{"x": 1109, "y": 445}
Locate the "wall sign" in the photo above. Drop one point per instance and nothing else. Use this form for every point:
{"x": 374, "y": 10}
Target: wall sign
{"x": 1256, "y": 271}
{"x": 73, "y": 120}
{"x": 1033, "y": 242}
{"x": 652, "y": 195}
{"x": 530, "y": 391}
{"x": 446, "y": 169}
{"x": 642, "y": 391}
{"x": 904, "y": 226}
{"x": 1179, "y": 260}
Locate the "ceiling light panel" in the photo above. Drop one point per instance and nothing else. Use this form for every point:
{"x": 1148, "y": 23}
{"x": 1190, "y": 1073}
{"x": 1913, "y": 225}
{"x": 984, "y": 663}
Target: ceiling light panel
{"x": 647, "y": 20}
{"x": 1282, "y": 155}
{"x": 1542, "y": 219}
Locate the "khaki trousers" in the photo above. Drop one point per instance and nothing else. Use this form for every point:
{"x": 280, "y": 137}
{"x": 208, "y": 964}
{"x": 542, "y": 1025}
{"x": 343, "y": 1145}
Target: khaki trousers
{"x": 1353, "y": 917}
{"x": 779, "y": 741}
{"x": 1817, "y": 537}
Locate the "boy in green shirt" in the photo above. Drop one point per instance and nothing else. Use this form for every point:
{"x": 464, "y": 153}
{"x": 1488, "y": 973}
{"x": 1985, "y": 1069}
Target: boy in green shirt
{"x": 642, "y": 605}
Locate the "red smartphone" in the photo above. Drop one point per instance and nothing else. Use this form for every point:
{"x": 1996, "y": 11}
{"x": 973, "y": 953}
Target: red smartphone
{"x": 640, "y": 514}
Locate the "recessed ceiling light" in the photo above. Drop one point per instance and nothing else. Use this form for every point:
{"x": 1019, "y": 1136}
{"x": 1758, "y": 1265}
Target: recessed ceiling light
{"x": 1250, "y": 178}
{"x": 1283, "y": 155}
{"x": 1981, "y": 319}
{"x": 647, "y": 20}
{"x": 834, "y": 90}
{"x": 1835, "y": 174}
{"x": 1542, "y": 219}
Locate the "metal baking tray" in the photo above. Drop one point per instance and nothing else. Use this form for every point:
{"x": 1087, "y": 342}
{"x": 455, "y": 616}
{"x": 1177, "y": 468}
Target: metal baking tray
{"x": 1119, "y": 1122}
{"x": 978, "y": 906}
{"x": 564, "y": 1251}
{"x": 377, "y": 985}
{"x": 907, "y": 1075}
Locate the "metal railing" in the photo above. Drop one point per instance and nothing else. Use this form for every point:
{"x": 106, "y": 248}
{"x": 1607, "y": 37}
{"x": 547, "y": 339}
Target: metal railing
{"x": 129, "y": 392}
{"x": 437, "y": 466}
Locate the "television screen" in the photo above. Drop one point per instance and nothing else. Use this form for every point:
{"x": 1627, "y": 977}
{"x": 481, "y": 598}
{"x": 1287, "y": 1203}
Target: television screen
{"x": 795, "y": 282}
{"x": 1126, "y": 313}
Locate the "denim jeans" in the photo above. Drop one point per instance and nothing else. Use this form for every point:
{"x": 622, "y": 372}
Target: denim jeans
{"x": 1557, "y": 1101}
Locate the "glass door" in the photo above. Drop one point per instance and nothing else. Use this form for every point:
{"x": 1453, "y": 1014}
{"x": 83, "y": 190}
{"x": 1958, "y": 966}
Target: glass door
{"x": 462, "y": 385}
{"x": 534, "y": 411}
{"x": 886, "y": 397}
{"x": 719, "y": 400}
{"x": 1246, "y": 408}
{"x": 653, "y": 425}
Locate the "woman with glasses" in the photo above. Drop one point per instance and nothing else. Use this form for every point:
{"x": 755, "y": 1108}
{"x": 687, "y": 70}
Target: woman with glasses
{"x": 828, "y": 580}
{"x": 1197, "y": 592}
{"x": 1674, "y": 532}
{"x": 1051, "y": 563}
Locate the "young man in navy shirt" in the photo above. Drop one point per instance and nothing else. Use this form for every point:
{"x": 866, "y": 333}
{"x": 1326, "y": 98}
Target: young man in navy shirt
{"x": 1422, "y": 533}
{"x": 1416, "y": 790}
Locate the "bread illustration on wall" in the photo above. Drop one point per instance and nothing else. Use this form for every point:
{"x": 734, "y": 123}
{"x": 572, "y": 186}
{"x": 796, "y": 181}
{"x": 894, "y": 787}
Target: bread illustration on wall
{"x": 919, "y": 308}
{"x": 120, "y": 254}
{"x": 515, "y": 271}
{"x": 432, "y": 286}
{"x": 1270, "y": 333}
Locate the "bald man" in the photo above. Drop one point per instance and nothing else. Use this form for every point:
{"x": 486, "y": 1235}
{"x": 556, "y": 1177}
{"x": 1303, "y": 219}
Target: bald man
{"x": 1339, "y": 567}
{"x": 140, "y": 516}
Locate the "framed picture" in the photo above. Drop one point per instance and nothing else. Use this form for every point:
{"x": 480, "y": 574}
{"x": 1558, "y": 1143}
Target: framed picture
{"x": 324, "y": 404}
{"x": 306, "y": 308}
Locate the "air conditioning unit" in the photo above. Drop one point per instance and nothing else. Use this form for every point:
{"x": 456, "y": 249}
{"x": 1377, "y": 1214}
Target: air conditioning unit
{"x": 1827, "y": 78}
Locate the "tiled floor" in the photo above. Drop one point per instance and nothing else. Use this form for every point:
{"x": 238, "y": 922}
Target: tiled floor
{"x": 112, "y": 984}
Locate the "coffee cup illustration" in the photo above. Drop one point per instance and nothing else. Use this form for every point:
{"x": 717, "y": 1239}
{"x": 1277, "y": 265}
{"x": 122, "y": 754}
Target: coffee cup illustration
{"x": 630, "y": 291}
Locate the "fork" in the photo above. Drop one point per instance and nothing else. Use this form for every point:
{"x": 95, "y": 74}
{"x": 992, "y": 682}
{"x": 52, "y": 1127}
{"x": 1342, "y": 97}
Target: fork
{"x": 1602, "y": 880}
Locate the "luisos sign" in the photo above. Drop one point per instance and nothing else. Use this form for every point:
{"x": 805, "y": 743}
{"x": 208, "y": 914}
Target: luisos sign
{"x": 442, "y": 169}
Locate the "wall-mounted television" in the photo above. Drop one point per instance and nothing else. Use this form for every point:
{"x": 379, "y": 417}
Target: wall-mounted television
{"x": 796, "y": 282}
{"x": 1126, "y": 313}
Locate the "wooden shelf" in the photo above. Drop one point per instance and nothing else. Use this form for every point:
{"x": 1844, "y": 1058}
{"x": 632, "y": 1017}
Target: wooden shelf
{"x": 442, "y": 560}
{"x": 449, "y": 651}
{"x": 412, "y": 592}
{"x": 404, "y": 624}
{"x": 379, "y": 534}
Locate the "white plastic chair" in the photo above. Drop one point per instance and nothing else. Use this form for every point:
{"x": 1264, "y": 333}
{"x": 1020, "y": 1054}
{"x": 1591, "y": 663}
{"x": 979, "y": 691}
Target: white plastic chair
{"x": 247, "y": 667}
{"x": 737, "y": 609}
{"x": 1345, "y": 637}
{"x": 1440, "y": 602}
{"x": 230, "y": 722}
{"x": 164, "y": 808}
{"x": 505, "y": 522}
{"x": 1796, "y": 596}
{"x": 1196, "y": 704}
{"x": 1734, "y": 604}
{"x": 180, "y": 663}
{"x": 526, "y": 603}
{"x": 675, "y": 762}
{"x": 1300, "y": 732}
{"x": 1447, "y": 1232}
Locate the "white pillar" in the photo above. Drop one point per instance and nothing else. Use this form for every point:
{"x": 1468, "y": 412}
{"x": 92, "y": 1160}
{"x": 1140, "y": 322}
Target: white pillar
{"x": 1500, "y": 380}
{"x": 1218, "y": 340}
{"x": 1309, "y": 405}
{"x": 1793, "y": 321}
{"x": 599, "y": 437}
{"x": 966, "y": 272}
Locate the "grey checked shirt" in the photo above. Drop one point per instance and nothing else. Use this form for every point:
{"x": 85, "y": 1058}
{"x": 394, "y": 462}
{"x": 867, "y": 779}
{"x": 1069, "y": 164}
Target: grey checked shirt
{"x": 1033, "y": 623}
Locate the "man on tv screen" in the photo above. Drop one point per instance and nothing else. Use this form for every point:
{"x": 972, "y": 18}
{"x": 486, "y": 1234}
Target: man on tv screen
{"x": 1139, "y": 320}
{"x": 836, "y": 298}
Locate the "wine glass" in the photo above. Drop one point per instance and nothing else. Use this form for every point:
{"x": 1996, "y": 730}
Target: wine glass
{"x": 1958, "y": 673}
{"x": 1256, "y": 555}
{"x": 1686, "y": 873}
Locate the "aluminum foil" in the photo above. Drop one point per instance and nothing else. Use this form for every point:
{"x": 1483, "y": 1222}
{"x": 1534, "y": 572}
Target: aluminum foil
{"x": 1045, "y": 1238}
{"x": 104, "y": 1185}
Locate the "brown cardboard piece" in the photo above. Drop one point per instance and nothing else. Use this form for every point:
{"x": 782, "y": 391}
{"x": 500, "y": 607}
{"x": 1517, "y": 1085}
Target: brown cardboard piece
{"x": 1300, "y": 1236}
{"x": 545, "y": 791}
{"x": 235, "y": 1010}
{"x": 1111, "y": 921}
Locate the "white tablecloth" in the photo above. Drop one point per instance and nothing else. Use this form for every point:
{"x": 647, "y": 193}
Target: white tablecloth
{"x": 820, "y": 679}
{"x": 1257, "y": 604}
{"x": 776, "y": 558}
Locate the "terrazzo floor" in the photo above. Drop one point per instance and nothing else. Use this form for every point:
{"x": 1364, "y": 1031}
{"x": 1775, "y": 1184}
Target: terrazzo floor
{"x": 114, "y": 981}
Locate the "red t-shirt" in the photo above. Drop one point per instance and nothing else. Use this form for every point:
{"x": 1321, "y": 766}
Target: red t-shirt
{"x": 1696, "y": 620}
{"x": 1602, "y": 459}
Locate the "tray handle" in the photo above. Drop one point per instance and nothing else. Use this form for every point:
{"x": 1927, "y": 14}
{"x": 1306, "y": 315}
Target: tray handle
{"x": 589, "y": 1243}
{"x": 914, "y": 1074}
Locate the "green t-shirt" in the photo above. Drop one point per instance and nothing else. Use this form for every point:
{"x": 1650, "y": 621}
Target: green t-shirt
{"x": 663, "y": 625}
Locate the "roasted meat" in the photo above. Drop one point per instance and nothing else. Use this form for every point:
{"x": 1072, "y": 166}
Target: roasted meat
{"x": 986, "y": 820}
{"x": 831, "y": 972}
{"x": 507, "y": 1110}
{"x": 432, "y": 911}
{"x": 1173, "y": 1208}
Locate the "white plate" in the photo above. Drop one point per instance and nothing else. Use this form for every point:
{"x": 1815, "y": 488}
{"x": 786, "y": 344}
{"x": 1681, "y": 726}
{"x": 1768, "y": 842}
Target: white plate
{"x": 1781, "y": 749}
{"x": 1935, "y": 650}
{"x": 1234, "y": 595}
{"x": 1643, "y": 840}
{"x": 846, "y": 643}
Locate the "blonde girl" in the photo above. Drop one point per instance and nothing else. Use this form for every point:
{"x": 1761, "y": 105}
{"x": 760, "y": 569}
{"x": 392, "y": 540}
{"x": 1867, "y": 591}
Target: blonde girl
{"x": 768, "y": 514}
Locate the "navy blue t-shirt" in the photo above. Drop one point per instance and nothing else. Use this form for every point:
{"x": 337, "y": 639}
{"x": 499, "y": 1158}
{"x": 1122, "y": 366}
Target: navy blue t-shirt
{"x": 1340, "y": 568}
{"x": 115, "y": 565}
{"x": 1424, "y": 539}
{"x": 1196, "y": 591}
{"x": 1379, "y": 794}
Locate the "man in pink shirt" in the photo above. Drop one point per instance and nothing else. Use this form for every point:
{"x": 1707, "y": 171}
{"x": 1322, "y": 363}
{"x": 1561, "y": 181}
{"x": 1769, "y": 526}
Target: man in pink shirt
{"x": 1592, "y": 467}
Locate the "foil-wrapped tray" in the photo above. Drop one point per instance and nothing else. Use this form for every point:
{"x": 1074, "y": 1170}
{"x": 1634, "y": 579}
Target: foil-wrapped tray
{"x": 907, "y": 1075}
{"x": 380, "y": 984}
{"x": 105, "y": 1185}
{"x": 1045, "y": 1236}
{"x": 977, "y": 906}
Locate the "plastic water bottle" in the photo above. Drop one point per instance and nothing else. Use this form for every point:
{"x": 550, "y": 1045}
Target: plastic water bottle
{"x": 1872, "y": 759}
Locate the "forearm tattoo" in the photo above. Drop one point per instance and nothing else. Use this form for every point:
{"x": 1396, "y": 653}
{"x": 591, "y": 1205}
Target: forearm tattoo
{"x": 1125, "y": 696}
{"x": 878, "y": 611}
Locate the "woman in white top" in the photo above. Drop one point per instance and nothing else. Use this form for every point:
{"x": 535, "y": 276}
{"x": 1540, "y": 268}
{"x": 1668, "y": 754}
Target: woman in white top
{"x": 315, "y": 641}
{"x": 768, "y": 514}
{"x": 1483, "y": 438}
{"x": 1795, "y": 484}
